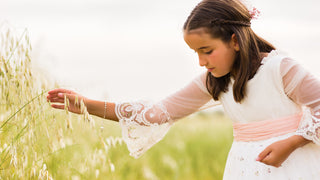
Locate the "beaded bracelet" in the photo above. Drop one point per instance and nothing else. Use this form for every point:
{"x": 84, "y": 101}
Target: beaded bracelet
{"x": 105, "y": 109}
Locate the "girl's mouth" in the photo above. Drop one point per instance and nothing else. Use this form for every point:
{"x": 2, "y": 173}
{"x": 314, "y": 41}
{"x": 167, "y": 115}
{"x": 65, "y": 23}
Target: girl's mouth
{"x": 210, "y": 69}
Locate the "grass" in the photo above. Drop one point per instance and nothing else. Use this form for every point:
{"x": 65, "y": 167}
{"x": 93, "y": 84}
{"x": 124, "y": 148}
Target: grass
{"x": 39, "y": 142}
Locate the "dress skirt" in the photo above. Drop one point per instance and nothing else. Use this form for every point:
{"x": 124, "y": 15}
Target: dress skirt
{"x": 302, "y": 164}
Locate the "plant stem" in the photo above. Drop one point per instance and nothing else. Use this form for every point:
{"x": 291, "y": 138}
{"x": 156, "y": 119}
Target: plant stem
{"x": 21, "y": 109}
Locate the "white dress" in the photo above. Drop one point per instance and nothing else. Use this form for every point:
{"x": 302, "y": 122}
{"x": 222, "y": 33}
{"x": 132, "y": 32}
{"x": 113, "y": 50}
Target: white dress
{"x": 280, "y": 88}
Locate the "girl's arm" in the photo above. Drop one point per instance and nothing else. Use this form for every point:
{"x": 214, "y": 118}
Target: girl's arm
{"x": 185, "y": 101}
{"x": 304, "y": 89}
{"x": 143, "y": 123}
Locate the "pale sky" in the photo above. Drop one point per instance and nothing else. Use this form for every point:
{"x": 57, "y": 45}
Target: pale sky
{"x": 127, "y": 50}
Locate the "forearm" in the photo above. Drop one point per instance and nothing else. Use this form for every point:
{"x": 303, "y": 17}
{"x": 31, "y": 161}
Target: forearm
{"x": 98, "y": 108}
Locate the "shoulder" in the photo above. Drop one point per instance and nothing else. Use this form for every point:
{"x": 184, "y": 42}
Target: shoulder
{"x": 280, "y": 63}
{"x": 274, "y": 58}
{"x": 275, "y": 61}
{"x": 270, "y": 70}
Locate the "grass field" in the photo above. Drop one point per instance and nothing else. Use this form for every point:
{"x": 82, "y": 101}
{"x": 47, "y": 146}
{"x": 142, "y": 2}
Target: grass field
{"x": 39, "y": 142}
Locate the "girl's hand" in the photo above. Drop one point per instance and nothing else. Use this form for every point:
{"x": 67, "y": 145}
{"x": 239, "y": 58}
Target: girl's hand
{"x": 58, "y": 96}
{"x": 276, "y": 153}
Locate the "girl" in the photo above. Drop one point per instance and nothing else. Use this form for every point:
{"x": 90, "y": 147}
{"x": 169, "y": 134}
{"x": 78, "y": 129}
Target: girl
{"x": 261, "y": 90}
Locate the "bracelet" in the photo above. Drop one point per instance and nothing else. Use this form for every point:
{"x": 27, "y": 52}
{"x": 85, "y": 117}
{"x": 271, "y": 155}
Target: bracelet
{"x": 105, "y": 109}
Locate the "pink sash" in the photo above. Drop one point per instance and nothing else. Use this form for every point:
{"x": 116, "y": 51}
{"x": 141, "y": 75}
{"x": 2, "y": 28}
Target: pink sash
{"x": 265, "y": 129}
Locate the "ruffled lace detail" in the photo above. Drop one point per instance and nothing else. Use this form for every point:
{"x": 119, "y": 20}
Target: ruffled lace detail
{"x": 309, "y": 127}
{"x": 143, "y": 124}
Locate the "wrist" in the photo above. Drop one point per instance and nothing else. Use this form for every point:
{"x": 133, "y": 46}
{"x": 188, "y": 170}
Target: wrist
{"x": 88, "y": 103}
{"x": 298, "y": 141}
{"x": 97, "y": 108}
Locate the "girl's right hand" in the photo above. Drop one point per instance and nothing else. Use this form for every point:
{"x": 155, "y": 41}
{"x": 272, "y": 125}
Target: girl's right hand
{"x": 276, "y": 153}
{"x": 57, "y": 96}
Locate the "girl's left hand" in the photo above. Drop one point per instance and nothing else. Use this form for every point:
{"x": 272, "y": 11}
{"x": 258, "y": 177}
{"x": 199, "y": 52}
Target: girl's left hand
{"x": 276, "y": 153}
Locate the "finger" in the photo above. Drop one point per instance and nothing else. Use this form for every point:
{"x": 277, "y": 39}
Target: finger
{"x": 53, "y": 96}
{"x": 60, "y": 90}
{"x": 56, "y": 91}
{"x": 263, "y": 154}
{"x": 278, "y": 165}
{"x": 61, "y": 98}
{"x": 267, "y": 160}
{"x": 60, "y": 95}
{"x": 57, "y": 106}
{"x": 271, "y": 160}
{"x": 56, "y": 100}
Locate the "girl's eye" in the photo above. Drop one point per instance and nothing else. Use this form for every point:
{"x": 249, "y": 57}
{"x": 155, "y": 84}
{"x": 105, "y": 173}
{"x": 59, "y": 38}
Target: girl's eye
{"x": 209, "y": 52}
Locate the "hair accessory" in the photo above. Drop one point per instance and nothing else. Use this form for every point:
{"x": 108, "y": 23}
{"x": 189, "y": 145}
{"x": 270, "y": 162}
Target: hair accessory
{"x": 105, "y": 109}
{"x": 254, "y": 13}
{"x": 218, "y": 21}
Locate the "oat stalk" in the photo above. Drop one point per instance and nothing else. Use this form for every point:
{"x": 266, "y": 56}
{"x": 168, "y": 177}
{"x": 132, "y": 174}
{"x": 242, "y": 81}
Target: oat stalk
{"x": 21, "y": 109}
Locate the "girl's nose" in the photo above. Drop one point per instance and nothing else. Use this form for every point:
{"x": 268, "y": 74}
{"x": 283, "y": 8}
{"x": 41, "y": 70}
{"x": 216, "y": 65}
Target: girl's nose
{"x": 202, "y": 61}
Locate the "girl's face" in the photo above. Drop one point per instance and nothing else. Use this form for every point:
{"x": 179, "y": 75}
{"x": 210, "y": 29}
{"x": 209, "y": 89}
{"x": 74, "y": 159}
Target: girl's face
{"x": 214, "y": 54}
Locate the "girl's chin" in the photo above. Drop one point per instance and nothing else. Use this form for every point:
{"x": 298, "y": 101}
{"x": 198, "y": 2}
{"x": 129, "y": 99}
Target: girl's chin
{"x": 216, "y": 75}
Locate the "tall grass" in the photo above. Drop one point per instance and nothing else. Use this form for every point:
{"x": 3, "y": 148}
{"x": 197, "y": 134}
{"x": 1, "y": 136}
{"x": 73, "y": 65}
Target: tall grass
{"x": 38, "y": 142}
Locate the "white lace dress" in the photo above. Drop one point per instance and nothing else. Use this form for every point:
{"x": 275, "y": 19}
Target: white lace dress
{"x": 280, "y": 88}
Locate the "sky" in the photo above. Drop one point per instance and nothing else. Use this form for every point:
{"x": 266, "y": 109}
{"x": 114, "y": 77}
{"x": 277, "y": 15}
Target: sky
{"x": 131, "y": 50}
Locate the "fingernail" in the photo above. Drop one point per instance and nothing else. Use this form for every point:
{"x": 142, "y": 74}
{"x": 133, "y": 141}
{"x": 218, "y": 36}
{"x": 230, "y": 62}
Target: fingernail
{"x": 258, "y": 159}
{"x": 60, "y": 94}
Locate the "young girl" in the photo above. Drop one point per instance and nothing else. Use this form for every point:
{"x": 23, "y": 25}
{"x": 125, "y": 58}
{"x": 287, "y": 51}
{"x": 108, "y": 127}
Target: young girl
{"x": 261, "y": 90}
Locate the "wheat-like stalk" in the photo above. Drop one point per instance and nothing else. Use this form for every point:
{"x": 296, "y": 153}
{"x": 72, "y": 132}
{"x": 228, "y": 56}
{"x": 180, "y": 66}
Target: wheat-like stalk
{"x": 21, "y": 102}
{"x": 34, "y": 138}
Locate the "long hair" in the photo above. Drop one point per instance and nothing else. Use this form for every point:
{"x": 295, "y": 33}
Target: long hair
{"x": 221, "y": 19}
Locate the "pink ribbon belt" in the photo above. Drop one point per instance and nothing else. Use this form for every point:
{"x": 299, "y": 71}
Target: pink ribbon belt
{"x": 266, "y": 129}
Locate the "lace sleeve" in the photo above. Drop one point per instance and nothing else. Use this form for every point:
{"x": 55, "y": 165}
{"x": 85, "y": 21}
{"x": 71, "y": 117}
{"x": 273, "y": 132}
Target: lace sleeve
{"x": 309, "y": 126}
{"x": 144, "y": 124}
{"x": 303, "y": 88}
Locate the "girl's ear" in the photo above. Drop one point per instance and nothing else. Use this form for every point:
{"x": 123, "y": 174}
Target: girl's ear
{"x": 234, "y": 42}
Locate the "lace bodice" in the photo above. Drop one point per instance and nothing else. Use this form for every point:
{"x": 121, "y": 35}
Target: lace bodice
{"x": 283, "y": 83}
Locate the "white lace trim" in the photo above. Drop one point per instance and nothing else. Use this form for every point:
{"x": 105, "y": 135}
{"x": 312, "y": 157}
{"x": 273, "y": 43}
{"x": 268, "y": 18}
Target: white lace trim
{"x": 309, "y": 126}
{"x": 143, "y": 124}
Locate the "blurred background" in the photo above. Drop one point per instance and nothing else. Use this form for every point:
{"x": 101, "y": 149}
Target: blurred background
{"x": 126, "y": 50}
{"x": 120, "y": 50}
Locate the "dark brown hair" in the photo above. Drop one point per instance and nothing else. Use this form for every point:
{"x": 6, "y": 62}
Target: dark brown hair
{"x": 221, "y": 19}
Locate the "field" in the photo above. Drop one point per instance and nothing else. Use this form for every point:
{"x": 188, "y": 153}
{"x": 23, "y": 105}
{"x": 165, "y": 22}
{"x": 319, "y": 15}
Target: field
{"x": 39, "y": 142}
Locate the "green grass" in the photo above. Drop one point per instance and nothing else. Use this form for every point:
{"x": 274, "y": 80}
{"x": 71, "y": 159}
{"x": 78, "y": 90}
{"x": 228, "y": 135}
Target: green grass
{"x": 39, "y": 142}
{"x": 195, "y": 148}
